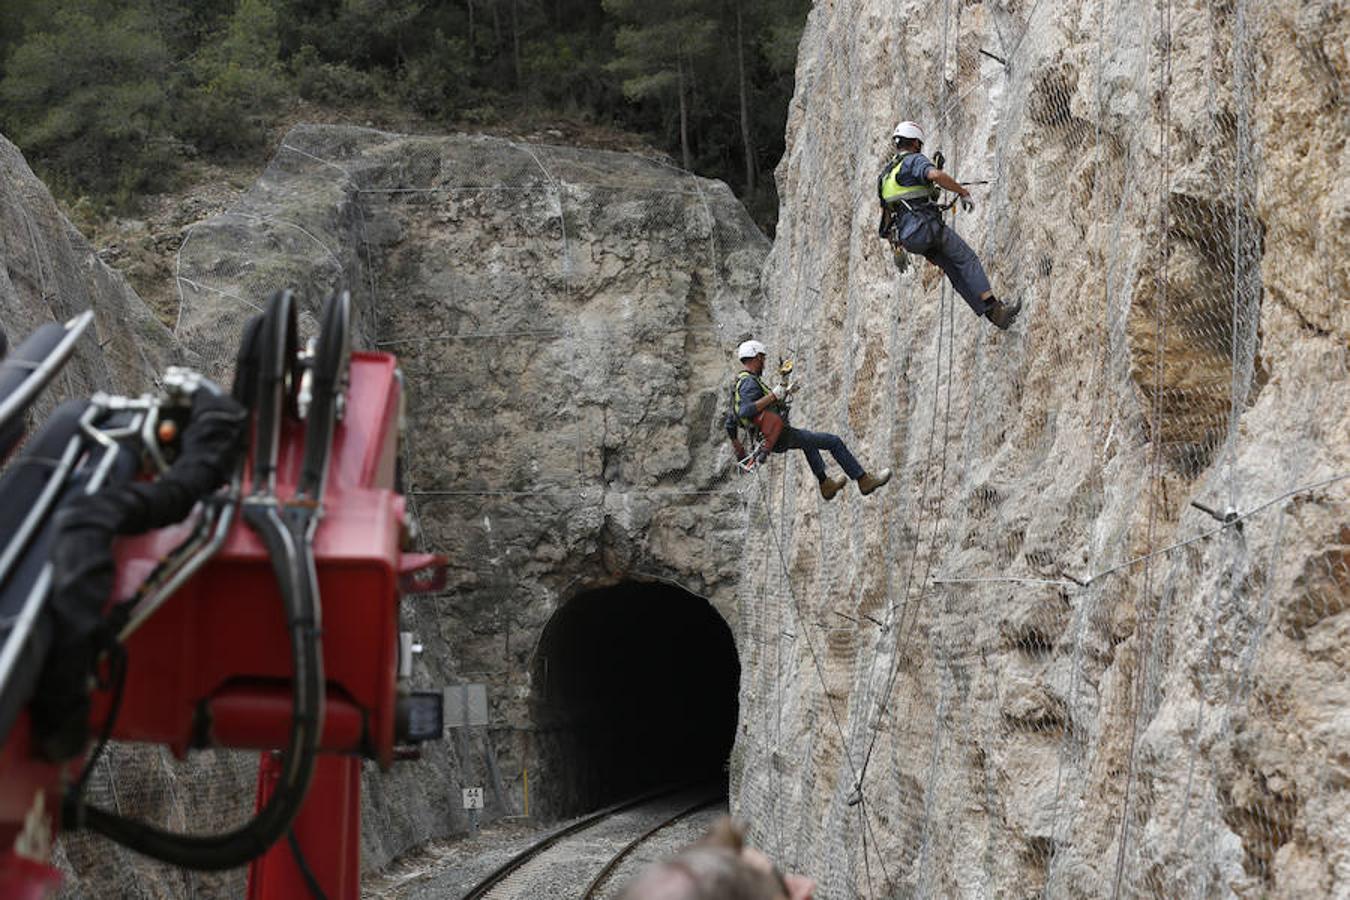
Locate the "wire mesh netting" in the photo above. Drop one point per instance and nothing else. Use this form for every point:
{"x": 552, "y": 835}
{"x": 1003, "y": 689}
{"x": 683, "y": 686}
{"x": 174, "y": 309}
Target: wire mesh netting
{"x": 1082, "y": 648}
{"x": 1090, "y": 639}
{"x": 564, "y": 321}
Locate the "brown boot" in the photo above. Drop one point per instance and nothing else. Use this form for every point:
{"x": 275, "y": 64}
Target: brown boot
{"x": 869, "y": 482}
{"x": 1002, "y": 314}
{"x": 831, "y": 486}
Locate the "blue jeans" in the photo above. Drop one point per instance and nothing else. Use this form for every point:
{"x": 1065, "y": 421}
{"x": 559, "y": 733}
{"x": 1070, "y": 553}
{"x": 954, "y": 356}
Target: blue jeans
{"x": 811, "y": 443}
{"x": 954, "y": 257}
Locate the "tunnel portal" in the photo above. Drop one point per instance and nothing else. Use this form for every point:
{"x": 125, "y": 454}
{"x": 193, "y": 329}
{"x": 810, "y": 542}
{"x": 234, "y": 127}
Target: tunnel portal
{"x": 635, "y": 686}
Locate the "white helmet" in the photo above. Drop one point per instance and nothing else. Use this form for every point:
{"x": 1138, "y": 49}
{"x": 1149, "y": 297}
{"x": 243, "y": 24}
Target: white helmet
{"x": 908, "y": 131}
{"x": 750, "y": 349}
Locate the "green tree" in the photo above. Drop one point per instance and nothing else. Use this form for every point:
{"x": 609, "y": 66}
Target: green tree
{"x": 660, "y": 45}
{"x": 84, "y": 93}
{"x": 234, "y": 84}
{"x": 433, "y": 82}
{"x": 743, "y": 92}
{"x": 17, "y": 15}
{"x": 187, "y": 24}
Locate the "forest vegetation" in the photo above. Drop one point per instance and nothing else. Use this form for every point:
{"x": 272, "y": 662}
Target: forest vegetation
{"x": 109, "y": 99}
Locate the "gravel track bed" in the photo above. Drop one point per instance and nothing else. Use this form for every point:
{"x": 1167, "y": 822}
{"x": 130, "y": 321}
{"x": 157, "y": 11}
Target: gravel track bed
{"x": 448, "y": 869}
{"x": 662, "y": 845}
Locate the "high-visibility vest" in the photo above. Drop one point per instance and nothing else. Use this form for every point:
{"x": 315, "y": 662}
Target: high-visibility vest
{"x": 893, "y": 193}
{"x": 736, "y": 396}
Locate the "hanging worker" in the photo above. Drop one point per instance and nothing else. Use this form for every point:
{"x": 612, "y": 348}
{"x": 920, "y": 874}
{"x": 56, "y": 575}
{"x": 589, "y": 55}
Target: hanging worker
{"x": 755, "y": 405}
{"x": 911, "y": 220}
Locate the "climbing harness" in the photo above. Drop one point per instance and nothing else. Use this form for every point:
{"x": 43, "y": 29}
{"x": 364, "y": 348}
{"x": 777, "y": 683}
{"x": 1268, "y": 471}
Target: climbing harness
{"x": 765, "y": 428}
{"x": 912, "y": 234}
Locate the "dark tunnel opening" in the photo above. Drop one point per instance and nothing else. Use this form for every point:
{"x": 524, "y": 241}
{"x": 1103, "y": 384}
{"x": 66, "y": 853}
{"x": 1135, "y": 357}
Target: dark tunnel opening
{"x": 635, "y": 686}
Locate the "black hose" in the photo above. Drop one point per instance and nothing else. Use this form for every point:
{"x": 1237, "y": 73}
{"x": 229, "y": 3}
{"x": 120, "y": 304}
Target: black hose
{"x": 271, "y": 346}
{"x": 311, "y": 881}
{"x": 236, "y": 848}
{"x": 276, "y": 343}
{"x": 117, "y": 677}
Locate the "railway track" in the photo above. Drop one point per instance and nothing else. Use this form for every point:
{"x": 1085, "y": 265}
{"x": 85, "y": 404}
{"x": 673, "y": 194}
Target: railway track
{"x": 581, "y": 859}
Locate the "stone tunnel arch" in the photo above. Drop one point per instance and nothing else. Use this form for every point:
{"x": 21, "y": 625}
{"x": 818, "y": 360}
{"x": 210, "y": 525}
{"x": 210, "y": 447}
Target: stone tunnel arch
{"x": 634, "y": 685}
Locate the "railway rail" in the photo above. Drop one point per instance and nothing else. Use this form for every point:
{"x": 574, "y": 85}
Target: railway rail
{"x": 580, "y": 860}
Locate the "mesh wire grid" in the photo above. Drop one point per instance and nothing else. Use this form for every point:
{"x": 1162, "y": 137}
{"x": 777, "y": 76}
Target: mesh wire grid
{"x": 1127, "y": 664}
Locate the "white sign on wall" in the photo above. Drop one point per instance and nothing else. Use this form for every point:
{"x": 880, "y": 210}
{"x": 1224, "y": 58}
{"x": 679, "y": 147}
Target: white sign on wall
{"x": 473, "y": 798}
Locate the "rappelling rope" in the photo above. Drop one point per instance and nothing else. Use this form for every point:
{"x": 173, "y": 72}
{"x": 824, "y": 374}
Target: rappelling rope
{"x": 908, "y": 619}
{"x": 1145, "y": 618}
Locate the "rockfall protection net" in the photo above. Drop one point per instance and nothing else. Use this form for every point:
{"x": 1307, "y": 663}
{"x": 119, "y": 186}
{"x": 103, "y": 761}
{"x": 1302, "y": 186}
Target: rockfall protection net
{"x": 1049, "y": 674}
{"x": 1058, "y": 677}
{"x": 564, "y": 321}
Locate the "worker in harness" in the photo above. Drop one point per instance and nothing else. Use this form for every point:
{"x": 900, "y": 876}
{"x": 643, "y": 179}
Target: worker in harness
{"x": 911, "y": 219}
{"x": 757, "y": 406}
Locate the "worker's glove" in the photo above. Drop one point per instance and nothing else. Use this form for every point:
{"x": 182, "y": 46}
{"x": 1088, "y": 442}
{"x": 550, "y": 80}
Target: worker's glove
{"x": 784, "y": 391}
{"x": 967, "y": 204}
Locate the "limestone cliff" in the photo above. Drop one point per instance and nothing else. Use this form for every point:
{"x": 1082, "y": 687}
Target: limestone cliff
{"x": 49, "y": 273}
{"x": 563, "y": 319}
{"x": 1031, "y": 666}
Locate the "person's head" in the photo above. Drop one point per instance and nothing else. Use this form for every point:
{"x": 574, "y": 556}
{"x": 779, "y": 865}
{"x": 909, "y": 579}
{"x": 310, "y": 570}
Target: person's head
{"x": 703, "y": 873}
{"x": 719, "y": 867}
{"x": 751, "y": 354}
{"x": 907, "y": 136}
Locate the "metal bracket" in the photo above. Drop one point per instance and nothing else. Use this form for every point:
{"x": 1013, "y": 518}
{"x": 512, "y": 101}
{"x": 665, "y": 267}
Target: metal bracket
{"x": 1229, "y": 516}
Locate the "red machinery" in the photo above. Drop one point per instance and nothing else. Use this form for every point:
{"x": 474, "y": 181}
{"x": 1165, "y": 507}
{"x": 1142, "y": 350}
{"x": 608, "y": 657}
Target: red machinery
{"x": 268, "y": 621}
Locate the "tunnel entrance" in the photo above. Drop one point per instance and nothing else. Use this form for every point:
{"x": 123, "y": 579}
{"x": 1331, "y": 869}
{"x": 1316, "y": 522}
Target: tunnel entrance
{"x": 635, "y": 686}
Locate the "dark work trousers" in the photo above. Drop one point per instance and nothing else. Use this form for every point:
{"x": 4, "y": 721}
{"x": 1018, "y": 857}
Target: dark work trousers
{"x": 811, "y": 443}
{"x": 954, "y": 257}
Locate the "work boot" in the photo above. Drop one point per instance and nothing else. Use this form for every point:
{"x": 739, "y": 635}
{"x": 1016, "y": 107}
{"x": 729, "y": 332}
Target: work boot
{"x": 831, "y": 486}
{"x": 1002, "y": 314}
{"x": 869, "y": 482}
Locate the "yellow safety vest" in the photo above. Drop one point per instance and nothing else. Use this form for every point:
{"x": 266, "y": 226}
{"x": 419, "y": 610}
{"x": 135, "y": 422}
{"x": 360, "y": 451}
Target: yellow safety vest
{"x": 892, "y": 192}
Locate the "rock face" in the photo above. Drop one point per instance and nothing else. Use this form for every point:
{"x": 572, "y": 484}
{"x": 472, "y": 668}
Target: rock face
{"x": 1030, "y": 665}
{"x": 563, "y": 318}
{"x": 49, "y": 273}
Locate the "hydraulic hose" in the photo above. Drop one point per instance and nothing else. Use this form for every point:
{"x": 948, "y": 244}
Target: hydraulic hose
{"x": 264, "y": 375}
{"x": 293, "y": 568}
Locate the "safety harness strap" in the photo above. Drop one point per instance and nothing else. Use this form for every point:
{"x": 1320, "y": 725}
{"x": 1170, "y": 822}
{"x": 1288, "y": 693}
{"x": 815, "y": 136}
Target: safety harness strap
{"x": 748, "y": 424}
